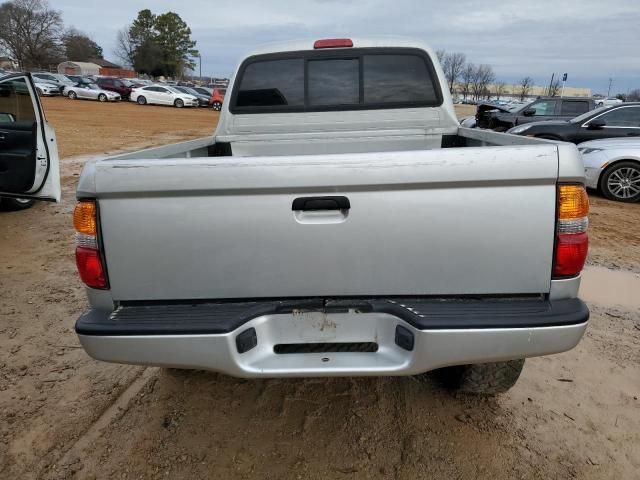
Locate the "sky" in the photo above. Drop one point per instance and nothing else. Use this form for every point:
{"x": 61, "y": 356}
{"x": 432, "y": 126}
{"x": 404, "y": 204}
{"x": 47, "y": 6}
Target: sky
{"x": 592, "y": 41}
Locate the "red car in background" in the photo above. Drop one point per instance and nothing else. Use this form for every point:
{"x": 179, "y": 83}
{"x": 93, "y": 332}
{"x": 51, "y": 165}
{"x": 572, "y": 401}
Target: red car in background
{"x": 217, "y": 98}
{"x": 115, "y": 85}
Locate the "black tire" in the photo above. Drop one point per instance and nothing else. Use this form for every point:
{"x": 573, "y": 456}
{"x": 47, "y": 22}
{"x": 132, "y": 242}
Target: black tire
{"x": 178, "y": 103}
{"x": 39, "y": 92}
{"x": 621, "y": 182}
{"x": 102, "y": 97}
{"x": 217, "y": 106}
{"x": 480, "y": 378}
{"x": 72, "y": 95}
{"x": 13, "y": 204}
{"x": 500, "y": 129}
{"x": 141, "y": 100}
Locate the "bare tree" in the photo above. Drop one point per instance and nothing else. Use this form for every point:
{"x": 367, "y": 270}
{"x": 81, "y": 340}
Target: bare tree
{"x": 554, "y": 88}
{"x": 453, "y": 65}
{"x": 525, "y": 86}
{"x": 482, "y": 77}
{"x": 125, "y": 48}
{"x": 30, "y": 31}
{"x": 498, "y": 89}
{"x": 466, "y": 77}
{"x": 634, "y": 95}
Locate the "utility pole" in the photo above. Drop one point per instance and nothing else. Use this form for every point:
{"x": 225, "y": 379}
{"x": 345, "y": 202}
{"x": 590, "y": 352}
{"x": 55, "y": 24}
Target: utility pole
{"x": 200, "y": 57}
{"x": 609, "y": 91}
{"x": 564, "y": 79}
{"x": 550, "y": 83}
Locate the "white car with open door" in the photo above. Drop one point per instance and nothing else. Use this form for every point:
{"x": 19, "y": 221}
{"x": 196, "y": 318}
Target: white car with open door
{"x": 29, "y": 167}
{"x": 162, "y": 95}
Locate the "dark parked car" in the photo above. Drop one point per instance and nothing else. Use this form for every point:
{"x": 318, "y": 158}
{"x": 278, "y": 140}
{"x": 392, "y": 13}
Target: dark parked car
{"x": 605, "y": 122}
{"x": 203, "y": 100}
{"x": 501, "y": 119}
{"x": 115, "y": 85}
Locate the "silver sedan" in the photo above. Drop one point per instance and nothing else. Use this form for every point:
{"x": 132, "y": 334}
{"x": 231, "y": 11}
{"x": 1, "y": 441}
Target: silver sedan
{"x": 91, "y": 91}
{"x": 612, "y": 165}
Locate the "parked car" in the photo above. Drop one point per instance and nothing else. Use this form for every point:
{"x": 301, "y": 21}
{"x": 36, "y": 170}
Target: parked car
{"x": 604, "y": 122}
{"x": 607, "y": 102}
{"x": 46, "y": 89}
{"x": 114, "y": 85}
{"x": 284, "y": 245}
{"x": 612, "y": 166}
{"x": 204, "y": 91}
{"x": 53, "y": 78}
{"x": 132, "y": 83}
{"x": 79, "y": 80}
{"x": 203, "y": 100}
{"x": 163, "y": 95}
{"x": 501, "y": 119}
{"x": 217, "y": 98}
{"x": 91, "y": 91}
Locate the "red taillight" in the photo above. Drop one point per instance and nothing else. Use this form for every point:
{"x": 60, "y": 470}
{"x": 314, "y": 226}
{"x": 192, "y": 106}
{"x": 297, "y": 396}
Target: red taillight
{"x": 88, "y": 258}
{"x": 572, "y": 242}
{"x": 571, "y": 253}
{"x": 90, "y": 267}
{"x": 333, "y": 43}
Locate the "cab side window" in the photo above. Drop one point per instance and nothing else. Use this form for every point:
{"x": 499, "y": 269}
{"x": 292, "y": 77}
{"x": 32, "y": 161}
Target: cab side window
{"x": 544, "y": 108}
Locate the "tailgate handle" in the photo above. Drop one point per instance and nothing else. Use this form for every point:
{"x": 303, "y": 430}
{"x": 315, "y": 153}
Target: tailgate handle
{"x": 321, "y": 203}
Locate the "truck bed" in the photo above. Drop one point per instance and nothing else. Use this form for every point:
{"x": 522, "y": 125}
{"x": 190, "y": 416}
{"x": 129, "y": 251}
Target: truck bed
{"x": 181, "y": 224}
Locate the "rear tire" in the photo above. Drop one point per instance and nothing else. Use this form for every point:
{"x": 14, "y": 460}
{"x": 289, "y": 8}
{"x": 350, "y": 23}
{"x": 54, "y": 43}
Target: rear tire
{"x": 102, "y": 97}
{"x": 141, "y": 100}
{"x": 14, "y": 204}
{"x": 480, "y": 378}
{"x": 620, "y": 181}
{"x": 73, "y": 95}
{"x": 39, "y": 92}
{"x": 217, "y": 106}
{"x": 178, "y": 103}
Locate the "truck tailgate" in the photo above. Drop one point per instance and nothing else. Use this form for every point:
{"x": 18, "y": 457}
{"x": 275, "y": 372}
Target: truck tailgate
{"x": 441, "y": 222}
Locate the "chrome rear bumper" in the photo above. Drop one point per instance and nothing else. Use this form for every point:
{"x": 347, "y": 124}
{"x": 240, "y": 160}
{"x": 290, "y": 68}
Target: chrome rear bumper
{"x": 431, "y": 349}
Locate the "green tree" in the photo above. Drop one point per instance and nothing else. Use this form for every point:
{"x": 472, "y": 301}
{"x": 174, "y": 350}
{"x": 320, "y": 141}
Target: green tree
{"x": 80, "y": 47}
{"x": 158, "y": 44}
{"x": 173, "y": 36}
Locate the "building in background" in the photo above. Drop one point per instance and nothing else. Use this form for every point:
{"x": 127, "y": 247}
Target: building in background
{"x": 97, "y": 66}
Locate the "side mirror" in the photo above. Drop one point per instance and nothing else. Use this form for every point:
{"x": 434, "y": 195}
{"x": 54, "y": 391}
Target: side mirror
{"x": 596, "y": 124}
{"x": 529, "y": 112}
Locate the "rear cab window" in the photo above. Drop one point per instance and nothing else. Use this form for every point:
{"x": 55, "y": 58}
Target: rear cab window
{"x": 349, "y": 79}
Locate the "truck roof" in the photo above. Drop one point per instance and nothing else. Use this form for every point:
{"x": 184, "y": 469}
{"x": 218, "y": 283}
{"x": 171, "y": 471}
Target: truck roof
{"x": 358, "y": 42}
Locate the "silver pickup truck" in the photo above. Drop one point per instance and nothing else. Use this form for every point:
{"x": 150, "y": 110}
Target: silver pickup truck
{"x": 338, "y": 222}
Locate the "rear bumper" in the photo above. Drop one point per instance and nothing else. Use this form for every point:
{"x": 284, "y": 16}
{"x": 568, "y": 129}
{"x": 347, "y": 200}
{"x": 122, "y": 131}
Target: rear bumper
{"x": 441, "y": 333}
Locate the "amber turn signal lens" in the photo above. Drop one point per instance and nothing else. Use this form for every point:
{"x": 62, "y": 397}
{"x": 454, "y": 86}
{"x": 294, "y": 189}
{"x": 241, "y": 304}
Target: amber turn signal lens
{"x": 84, "y": 218}
{"x": 573, "y": 202}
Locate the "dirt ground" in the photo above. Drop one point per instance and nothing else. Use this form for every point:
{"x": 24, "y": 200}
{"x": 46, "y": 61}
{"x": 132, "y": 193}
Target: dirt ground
{"x": 64, "y": 415}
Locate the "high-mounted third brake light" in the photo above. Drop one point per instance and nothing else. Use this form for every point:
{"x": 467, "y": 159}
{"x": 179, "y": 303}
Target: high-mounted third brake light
{"x": 88, "y": 258}
{"x": 333, "y": 43}
{"x": 572, "y": 242}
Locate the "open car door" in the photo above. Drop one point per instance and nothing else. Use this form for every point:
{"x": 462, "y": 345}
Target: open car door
{"x": 28, "y": 152}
